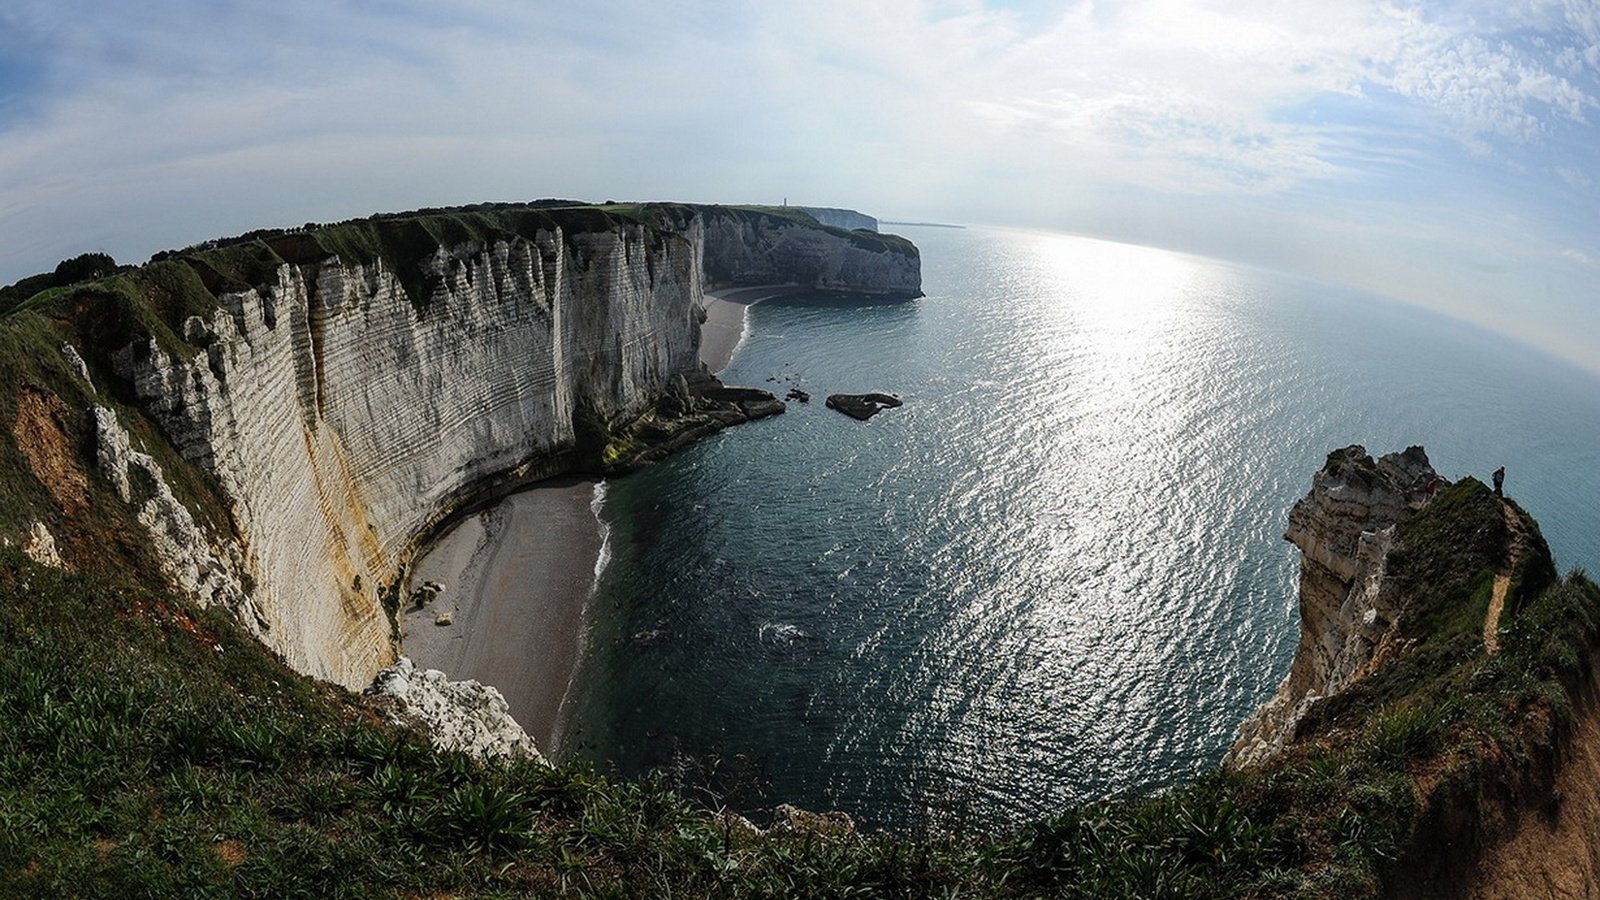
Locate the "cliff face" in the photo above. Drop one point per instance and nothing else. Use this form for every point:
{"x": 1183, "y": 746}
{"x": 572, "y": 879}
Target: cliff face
{"x": 341, "y": 404}
{"x": 1344, "y": 528}
{"x": 340, "y": 423}
{"x": 840, "y": 218}
{"x": 1444, "y": 667}
{"x": 745, "y": 247}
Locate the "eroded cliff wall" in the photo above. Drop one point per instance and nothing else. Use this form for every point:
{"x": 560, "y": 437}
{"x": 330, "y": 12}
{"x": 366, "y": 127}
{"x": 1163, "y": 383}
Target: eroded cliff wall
{"x": 340, "y": 419}
{"x": 322, "y": 398}
{"x": 1344, "y": 528}
{"x": 749, "y": 247}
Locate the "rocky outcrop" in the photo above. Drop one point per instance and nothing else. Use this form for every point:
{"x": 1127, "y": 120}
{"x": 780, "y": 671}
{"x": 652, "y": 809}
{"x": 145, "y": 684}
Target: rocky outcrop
{"x": 460, "y": 716}
{"x": 745, "y": 247}
{"x": 41, "y": 547}
{"x": 863, "y": 406}
{"x": 692, "y": 409}
{"x": 1344, "y": 528}
{"x": 193, "y": 560}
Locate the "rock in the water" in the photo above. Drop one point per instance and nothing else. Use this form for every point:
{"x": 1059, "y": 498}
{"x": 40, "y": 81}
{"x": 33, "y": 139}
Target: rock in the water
{"x": 862, "y": 406}
{"x": 797, "y": 395}
{"x": 462, "y": 716}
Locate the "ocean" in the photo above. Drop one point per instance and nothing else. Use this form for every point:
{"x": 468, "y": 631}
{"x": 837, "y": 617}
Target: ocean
{"x": 1057, "y": 573}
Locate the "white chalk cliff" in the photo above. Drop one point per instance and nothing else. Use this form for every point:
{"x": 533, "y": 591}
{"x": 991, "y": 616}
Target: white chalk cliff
{"x": 1344, "y": 528}
{"x": 342, "y": 419}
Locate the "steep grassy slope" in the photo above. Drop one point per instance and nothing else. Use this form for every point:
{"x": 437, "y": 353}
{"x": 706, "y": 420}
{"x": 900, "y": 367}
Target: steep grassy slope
{"x": 152, "y": 749}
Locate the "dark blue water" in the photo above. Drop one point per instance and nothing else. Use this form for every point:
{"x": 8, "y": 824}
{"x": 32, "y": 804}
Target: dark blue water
{"x": 1057, "y": 572}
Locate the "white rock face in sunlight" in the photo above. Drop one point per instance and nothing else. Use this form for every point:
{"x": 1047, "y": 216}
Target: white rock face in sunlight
{"x": 462, "y": 716}
{"x": 341, "y": 420}
{"x": 1344, "y": 528}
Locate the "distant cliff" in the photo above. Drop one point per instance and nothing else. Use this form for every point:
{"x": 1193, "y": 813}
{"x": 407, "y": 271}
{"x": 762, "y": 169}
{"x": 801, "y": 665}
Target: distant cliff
{"x": 840, "y": 218}
{"x": 274, "y": 422}
{"x": 778, "y": 246}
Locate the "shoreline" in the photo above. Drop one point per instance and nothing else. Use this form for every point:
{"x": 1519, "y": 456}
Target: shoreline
{"x": 728, "y": 321}
{"x": 517, "y": 579}
{"x": 518, "y": 574}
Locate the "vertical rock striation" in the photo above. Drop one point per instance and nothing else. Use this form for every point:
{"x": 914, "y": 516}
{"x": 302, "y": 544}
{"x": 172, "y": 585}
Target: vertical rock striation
{"x": 350, "y": 401}
{"x": 341, "y": 420}
{"x": 1344, "y": 528}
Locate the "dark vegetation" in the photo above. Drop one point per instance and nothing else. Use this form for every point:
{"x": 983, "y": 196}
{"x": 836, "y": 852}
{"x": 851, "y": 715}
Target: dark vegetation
{"x": 152, "y": 749}
{"x": 85, "y": 267}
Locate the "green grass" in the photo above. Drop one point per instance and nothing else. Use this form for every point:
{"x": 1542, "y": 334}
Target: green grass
{"x": 153, "y": 749}
{"x": 149, "y": 748}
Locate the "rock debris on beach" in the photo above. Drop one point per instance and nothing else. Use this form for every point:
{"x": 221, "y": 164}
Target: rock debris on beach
{"x": 464, "y": 716}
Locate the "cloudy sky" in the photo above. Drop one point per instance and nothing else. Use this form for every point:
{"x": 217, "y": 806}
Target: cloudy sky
{"x": 1444, "y": 153}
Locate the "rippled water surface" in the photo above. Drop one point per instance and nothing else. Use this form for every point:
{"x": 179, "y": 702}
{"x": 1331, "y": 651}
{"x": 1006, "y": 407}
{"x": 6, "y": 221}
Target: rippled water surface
{"x": 1057, "y": 572}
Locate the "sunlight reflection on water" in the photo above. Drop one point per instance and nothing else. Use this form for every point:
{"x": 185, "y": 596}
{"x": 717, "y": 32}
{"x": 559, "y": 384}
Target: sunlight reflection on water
{"x": 1057, "y": 572}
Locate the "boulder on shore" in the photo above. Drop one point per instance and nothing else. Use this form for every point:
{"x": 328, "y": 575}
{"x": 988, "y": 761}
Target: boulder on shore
{"x": 463, "y": 716}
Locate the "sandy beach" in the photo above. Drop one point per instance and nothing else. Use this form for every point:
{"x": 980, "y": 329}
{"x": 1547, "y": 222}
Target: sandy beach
{"x": 517, "y": 575}
{"x": 516, "y": 580}
{"x": 727, "y": 313}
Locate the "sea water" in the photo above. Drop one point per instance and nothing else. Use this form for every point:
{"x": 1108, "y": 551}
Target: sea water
{"x": 1057, "y": 573}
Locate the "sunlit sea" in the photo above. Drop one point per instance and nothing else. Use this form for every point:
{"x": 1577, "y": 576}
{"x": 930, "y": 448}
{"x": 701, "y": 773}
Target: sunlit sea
{"x": 1057, "y": 573}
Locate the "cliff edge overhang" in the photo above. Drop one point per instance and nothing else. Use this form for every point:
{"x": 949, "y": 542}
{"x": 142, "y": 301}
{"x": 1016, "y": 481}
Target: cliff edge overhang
{"x": 1344, "y": 527}
{"x": 1444, "y": 678}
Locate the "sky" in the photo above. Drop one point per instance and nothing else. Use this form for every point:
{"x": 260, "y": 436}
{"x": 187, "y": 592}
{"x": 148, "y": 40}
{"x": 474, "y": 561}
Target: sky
{"x": 1445, "y": 154}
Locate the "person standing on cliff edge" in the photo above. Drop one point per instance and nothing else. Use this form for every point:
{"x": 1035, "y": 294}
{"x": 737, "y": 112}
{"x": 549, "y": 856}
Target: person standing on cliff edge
{"x": 1499, "y": 479}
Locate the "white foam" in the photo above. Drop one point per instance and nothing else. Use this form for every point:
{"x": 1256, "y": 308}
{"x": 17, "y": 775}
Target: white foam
{"x": 603, "y": 558}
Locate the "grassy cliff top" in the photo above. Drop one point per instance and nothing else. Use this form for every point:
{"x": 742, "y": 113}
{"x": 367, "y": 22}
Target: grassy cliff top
{"x": 118, "y": 304}
{"x": 153, "y": 299}
{"x": 153, "y": 749}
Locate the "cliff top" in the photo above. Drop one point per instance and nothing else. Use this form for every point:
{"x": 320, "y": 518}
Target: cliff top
{"x": 175, "y": 284}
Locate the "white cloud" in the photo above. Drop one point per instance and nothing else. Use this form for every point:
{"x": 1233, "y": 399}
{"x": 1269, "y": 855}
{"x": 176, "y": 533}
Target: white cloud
{"x": 1222, "y": 124}
{"x": 1575, "y": 178}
